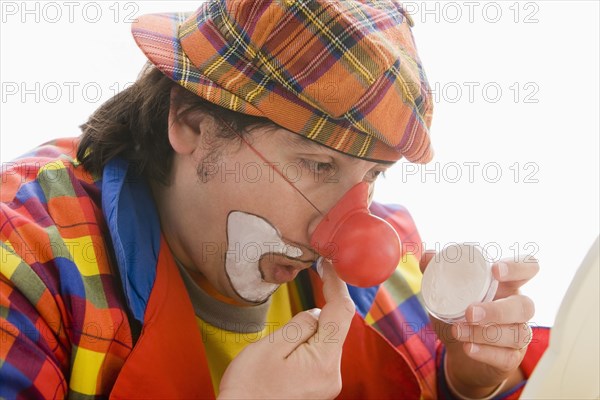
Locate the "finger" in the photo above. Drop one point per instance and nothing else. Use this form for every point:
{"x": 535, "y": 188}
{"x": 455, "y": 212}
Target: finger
{"x": 513, "y": 336}
{"x": 509, "y": 270}
{"x": 296, "y": 332}
{"x": 509, "y": 310}
{"x": 513, "y": 274}
{"x": 503, "y": 359}
{"x": 425, "y": 258}
{"x": 337, "y": 314}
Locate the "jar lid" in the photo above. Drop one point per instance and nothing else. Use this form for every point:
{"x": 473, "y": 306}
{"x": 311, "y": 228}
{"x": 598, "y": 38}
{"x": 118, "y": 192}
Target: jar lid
{"x": 456, "y": 277}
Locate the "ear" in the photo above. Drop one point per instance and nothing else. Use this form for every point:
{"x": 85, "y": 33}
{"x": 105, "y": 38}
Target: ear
{"x": 183, "y": 137}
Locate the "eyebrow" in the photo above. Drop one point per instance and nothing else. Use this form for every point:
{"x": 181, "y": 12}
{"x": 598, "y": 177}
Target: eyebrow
{"x": 309, "y": 145}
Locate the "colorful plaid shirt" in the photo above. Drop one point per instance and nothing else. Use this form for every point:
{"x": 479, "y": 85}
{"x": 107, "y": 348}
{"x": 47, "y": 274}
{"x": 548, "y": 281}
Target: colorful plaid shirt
{"x": 77, "y": 278}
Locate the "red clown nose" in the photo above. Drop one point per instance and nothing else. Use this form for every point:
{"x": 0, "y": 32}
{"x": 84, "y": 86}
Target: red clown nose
{"x": 363, "y": 248}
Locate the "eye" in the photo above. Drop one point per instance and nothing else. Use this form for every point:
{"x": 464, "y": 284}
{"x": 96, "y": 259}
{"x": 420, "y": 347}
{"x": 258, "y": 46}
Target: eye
{"x": 374, "y": 174}
{"x": 317, "y": 167}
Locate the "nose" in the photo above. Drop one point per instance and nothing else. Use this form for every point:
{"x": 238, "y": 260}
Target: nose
{"x": 363, "y": 248}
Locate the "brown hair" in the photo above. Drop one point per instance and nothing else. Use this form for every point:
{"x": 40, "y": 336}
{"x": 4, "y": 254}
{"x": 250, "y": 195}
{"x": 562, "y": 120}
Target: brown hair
{"x": 133, "y": 125}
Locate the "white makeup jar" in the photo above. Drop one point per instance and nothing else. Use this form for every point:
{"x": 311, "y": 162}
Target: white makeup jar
{"x": 456, "y": 277}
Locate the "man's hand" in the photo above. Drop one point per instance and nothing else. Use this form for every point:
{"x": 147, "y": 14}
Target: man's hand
{"x": 489, "y": 347}
{"x": 302, "y": 367}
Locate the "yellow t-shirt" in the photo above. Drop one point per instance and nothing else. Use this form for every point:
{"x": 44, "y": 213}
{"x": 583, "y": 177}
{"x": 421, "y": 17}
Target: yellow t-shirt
{"x": 226, "y": 327}
{"x": 222, "y": 346}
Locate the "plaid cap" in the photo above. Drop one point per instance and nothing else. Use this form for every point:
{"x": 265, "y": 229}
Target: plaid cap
{"x": 343, "y": 73}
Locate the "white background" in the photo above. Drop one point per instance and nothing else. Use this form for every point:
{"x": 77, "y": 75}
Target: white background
{"x": 515, "y": 82}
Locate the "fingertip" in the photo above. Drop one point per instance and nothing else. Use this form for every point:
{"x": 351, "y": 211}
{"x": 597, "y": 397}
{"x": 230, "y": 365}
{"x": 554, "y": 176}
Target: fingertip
{"x": 528, "y": 308}
{"x": 319, "y": 266}
{"x": 535, "y": 265}
{"x": 349, "y": 305}
{"x": 326, "y": 270}
{"x": 466, "y": 346}
{"x": 473, "y": 348}
{"x": 508, "y": 270}
{"x": 306, "y": 321}
{"x": 425, "y": 258}
{"x": 476, "y": 313}
{"x": 500, "y": 270}
{"x": 455, "y": 332}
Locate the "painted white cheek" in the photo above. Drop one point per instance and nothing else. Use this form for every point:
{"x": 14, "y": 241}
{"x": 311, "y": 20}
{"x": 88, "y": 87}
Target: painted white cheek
{"x": 249, "y": 238}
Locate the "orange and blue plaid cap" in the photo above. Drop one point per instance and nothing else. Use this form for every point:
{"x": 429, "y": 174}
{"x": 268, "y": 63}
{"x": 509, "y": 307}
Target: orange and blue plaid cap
{"x": 343, "y": 73}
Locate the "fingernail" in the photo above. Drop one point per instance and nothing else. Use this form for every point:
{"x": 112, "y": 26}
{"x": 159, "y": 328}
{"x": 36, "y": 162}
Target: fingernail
{"x": 458, "y": 331}
{"x": 478, "y": 314}
{"x": 502, "y": 269}
{"x": 319, "y": 267}
{"x": 315, "y": 312}
{"x": 474, "y": 348}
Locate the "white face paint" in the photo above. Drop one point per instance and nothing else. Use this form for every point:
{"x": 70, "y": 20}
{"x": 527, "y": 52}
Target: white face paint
{"x": 249, "y": 237}
{"x": 458, "y": 276}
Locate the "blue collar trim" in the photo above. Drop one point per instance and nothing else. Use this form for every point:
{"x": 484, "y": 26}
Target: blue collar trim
{"x": 134, "y": 228}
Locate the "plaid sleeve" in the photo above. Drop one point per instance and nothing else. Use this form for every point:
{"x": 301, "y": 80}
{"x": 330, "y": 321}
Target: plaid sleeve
{"x": 62, "y": 320}
{"x": 34, "y": 347}
{"x": 397, "y": 311}
{"x": 34, "y": 356}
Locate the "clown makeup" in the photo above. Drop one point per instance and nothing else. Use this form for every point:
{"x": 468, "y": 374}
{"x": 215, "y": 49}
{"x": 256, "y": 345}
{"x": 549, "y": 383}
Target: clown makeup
{"x": 257, "y": 259}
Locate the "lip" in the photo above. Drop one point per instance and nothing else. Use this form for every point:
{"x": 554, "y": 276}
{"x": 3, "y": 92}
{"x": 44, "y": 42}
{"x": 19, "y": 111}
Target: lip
{"x": 279, "y": 269}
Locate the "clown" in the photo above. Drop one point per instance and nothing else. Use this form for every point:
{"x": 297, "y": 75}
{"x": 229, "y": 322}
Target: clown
{"x": 171, "y": 275}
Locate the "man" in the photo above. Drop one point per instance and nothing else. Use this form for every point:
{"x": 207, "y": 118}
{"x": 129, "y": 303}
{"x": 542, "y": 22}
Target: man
{"x": 167, "y": 252}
